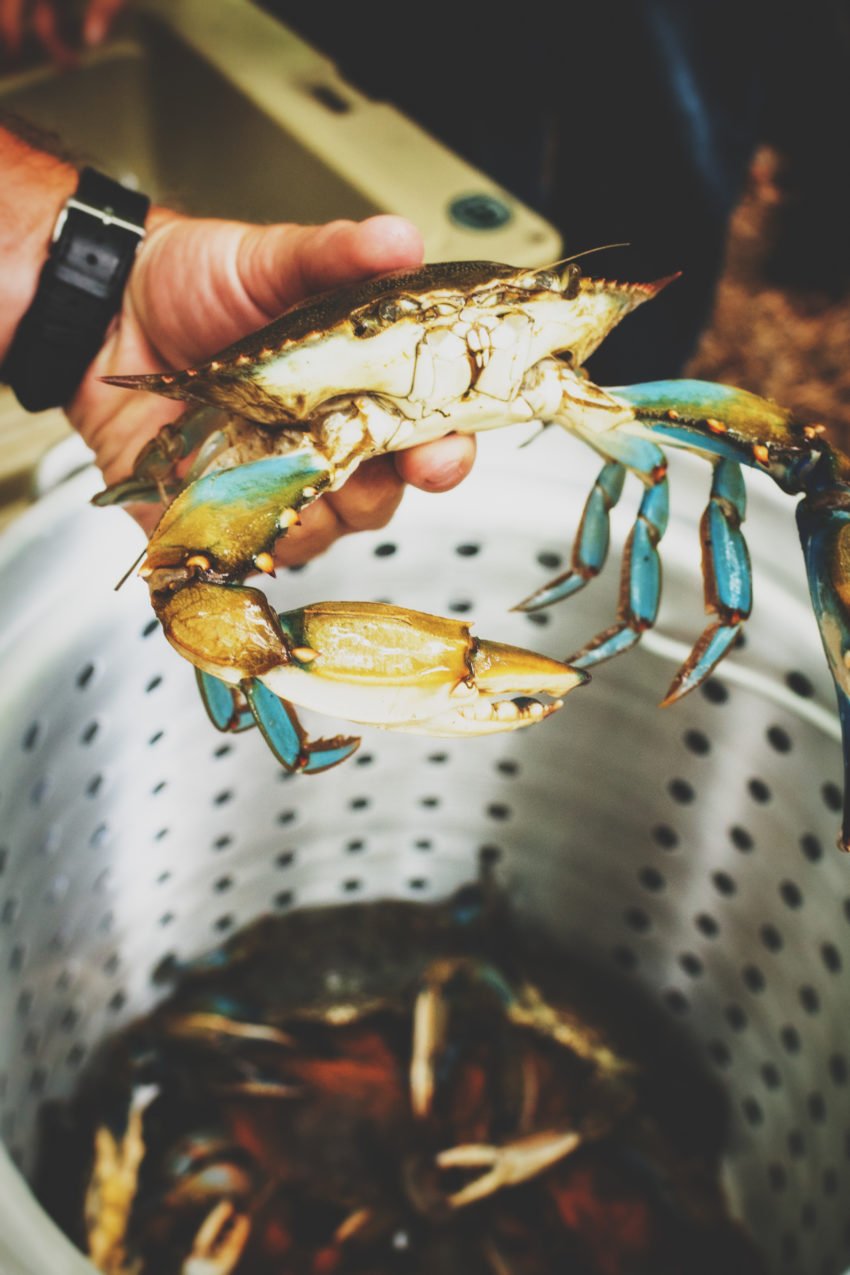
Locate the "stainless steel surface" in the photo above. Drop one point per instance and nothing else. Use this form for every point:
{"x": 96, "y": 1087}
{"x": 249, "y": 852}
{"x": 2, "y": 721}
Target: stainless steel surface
{"x": 689, "y": 851}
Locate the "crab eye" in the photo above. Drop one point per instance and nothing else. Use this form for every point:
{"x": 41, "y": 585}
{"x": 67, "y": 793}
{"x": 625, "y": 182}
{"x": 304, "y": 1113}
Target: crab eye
{"x": 367, "y": 322}
{"x": 381, "y": 314}
{"x": 571, "y": 281}
{"x": 548, "y": 280}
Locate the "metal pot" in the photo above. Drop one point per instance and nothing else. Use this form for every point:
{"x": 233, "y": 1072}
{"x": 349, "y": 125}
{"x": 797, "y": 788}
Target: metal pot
{"x": 691, "y": 852}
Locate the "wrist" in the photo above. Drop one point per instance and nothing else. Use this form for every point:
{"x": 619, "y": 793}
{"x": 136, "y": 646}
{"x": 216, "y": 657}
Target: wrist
{"x": 35, "y": 187}
{"x": 79, "y": 290}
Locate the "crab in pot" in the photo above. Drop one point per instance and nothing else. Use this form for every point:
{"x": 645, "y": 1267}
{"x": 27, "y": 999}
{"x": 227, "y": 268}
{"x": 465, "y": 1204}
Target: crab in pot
{"x": 291, "y": 411}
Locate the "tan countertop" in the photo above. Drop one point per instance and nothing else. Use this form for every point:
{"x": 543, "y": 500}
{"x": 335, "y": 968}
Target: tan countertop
{"x": 24, "y": 438}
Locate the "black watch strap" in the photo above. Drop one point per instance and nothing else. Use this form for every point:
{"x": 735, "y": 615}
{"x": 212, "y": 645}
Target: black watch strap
{"x": 79, "y": 291}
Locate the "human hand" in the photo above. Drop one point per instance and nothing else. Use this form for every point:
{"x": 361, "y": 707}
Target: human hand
{"x": 50, "y": 27}
{"x": 198, "y": 285}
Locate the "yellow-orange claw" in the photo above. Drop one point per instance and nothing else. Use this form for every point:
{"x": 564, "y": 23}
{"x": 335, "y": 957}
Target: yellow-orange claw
{"x": 406, "y": 670}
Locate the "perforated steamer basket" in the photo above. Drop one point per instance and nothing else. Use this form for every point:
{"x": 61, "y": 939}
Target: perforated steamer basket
{"x": 691, "y": 852}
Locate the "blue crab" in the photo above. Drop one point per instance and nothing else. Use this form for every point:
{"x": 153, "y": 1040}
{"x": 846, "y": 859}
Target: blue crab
{"x": 291, "y": 411}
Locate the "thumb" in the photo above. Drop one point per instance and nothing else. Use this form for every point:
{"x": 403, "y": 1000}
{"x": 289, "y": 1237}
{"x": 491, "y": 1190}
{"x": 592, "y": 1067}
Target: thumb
{"x": 279, "y": 265}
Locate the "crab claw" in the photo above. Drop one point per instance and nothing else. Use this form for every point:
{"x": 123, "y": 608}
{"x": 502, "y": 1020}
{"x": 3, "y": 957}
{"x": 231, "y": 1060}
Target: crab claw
{"x": 406, "y": 670}
{"x": 368, "y": 662}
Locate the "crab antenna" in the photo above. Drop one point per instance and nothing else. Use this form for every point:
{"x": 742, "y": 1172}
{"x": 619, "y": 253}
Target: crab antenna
{"x": 586, "y": 252}
{"x": 538, "y": 433}
{"x": 130, "y": 569}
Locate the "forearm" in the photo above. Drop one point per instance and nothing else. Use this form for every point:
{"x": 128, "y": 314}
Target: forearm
{"x": 33, "y": 188}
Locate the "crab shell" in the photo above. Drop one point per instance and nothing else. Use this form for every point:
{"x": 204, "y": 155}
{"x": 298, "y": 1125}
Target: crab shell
{"x": 373, "y": 337}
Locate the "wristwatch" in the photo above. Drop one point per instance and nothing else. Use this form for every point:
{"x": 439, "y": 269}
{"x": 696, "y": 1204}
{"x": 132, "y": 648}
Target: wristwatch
{"x": 79, "y": 291}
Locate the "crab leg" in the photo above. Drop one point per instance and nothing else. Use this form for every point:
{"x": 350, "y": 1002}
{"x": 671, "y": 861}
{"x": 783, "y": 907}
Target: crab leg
{"x": 523, "y": 1006}
{"x": 236, "y": 709}
{"x": 286, "y": 738}
{"x": 507, "y": 1165}
{"x": 219, "y": 1243}
{"x": 640, "y": 580}
{"x": 112, "y": 1189}
{"x": 727, "y": 576}
{"x": 591, "y": 544}
{"x": 824, "y": 527}
{"x": 154, "y": 475}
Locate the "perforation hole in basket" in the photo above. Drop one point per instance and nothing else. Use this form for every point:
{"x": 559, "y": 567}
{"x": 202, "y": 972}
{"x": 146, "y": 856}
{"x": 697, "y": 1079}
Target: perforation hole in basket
{"x": 771, "y": 938}
{"x": 771, "y": 1076}
{"x": 741, "y": 838}
{"x": 707, "y": 925}
{"x": 681, "y": 791}
{"x": 791, "y": 894}
{"x": 652, "y": 880}
{"x": 625, "y": 957}
{"x": 724, "y": 883}
{"x": 715, "y": 691}
{"x": 697, "y": 742}
{"x": 508, "y": 766}
{"x": 811, "y": 848}
{"x": 759, "y": 791}
{"x": 98, "y": 837}
{"x": 676, "y": 1001}
{"x": 832, "y": 797}
{"x": 691, "y": 964}
{"x": 779, "y": 739}
{"x": 736, "y": 1018}
{"x": 753, "y": 979}
{"x": 665, "y": 836}
{"x": 636, "y": 919}
{"x": 838, "y": 1070}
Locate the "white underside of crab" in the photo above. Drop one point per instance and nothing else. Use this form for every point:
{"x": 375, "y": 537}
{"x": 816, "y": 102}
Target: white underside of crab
{"x": 427, "y": 366}
{"x": 550, "y": 393}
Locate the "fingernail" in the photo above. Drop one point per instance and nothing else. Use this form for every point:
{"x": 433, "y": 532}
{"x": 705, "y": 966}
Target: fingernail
{"x": 442, "y": 476}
